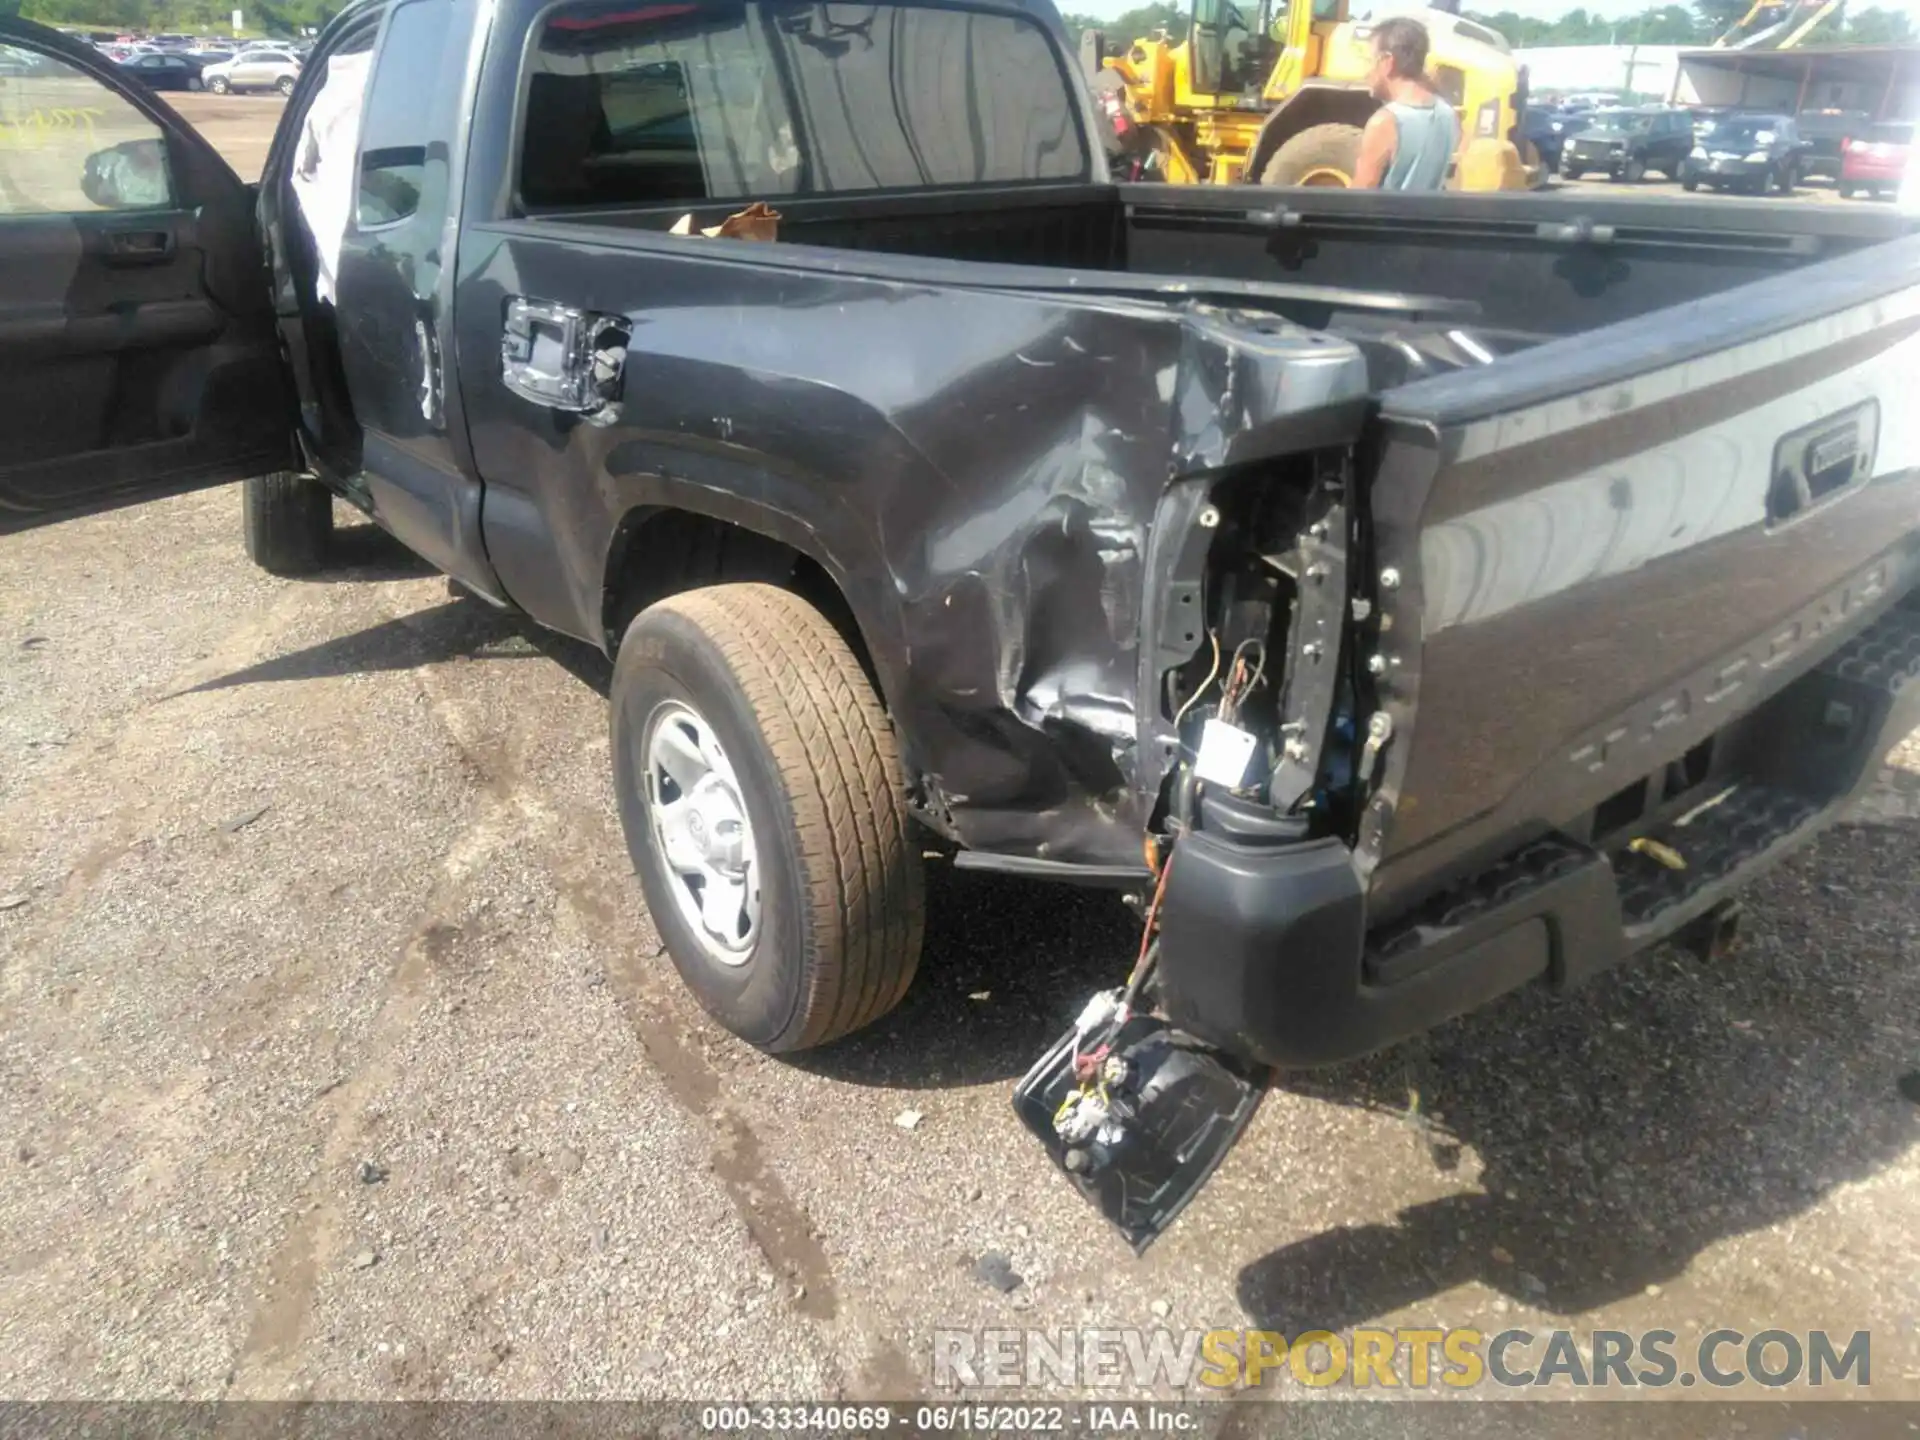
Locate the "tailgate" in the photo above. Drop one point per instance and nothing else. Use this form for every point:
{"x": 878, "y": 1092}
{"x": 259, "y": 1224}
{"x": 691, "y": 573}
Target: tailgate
{"x": 1609, "y": 548}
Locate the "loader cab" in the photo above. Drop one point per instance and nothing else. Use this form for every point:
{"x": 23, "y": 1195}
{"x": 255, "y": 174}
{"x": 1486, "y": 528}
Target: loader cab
{"x": 1233, "y": 50}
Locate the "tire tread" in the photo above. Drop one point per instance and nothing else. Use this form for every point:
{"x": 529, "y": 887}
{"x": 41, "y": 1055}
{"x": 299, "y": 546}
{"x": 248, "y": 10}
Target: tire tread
{"x": 288, "y": 520}
{"x": 839, "y": 764}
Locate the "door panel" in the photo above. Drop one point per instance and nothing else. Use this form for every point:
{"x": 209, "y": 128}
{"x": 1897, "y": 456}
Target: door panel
{"x": 136, "y": 344}
{"x": 394, "y": 285}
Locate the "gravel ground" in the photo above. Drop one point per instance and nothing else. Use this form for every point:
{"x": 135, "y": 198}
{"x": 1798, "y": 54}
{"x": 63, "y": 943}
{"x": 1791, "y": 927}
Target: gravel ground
{"x": 340, "y": 1059}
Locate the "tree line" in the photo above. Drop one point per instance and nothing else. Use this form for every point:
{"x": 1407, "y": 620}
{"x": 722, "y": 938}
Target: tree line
{"x": 165, "y": 17}
{"x": 1696, "y": 24}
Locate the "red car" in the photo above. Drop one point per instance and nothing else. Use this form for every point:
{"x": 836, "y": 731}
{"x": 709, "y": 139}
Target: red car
{"x": 1876, "y": 162}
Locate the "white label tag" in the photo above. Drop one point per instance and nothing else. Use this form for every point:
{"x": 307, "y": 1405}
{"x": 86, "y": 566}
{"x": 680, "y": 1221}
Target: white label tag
{"x": 1224, "y": 752}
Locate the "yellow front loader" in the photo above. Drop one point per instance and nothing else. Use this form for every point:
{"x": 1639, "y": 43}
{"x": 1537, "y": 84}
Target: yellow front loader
{"x": 1241, "y": 97}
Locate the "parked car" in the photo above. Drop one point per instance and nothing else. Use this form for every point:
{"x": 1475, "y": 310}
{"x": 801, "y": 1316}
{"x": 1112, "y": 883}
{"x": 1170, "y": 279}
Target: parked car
{"x": 1746, "y": 152}
{"x": 1875, "y": 162}
{"x": 1626, "y": 144}
{"x": 164, "y": 71}
{"x": 1823, "y": 136}
{"x": 259, "y": 68}
{"x": 18, "y": 62}
{"x": 1394, "y": 649}
{"x": 1548, "y": 127}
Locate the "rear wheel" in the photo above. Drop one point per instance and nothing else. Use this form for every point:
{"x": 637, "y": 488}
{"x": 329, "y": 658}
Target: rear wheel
{"x": 1786, "y": 180}
{"x": 1846, "y": 191}
{"x": 285, "y": 85}
{"x": 218, "y": 85}
{"x": 1689, "y": 184}
{"x": 764, "y": 806}
{"x": 288, "y": 520}
{"x": 1634, "y": 171}
{"x": 194, "y": 83}
{"x": 1319, "y": 155}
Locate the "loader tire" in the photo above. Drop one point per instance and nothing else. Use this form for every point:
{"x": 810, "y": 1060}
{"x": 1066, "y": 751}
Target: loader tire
{"x": 1319, "y": 155}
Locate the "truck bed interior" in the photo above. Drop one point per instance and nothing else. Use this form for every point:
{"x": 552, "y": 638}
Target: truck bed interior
{"x": 1427, "y": 283}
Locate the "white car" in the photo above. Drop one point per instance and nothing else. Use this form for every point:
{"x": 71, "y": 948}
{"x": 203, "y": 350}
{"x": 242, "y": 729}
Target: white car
{"x": 257, "y": 68}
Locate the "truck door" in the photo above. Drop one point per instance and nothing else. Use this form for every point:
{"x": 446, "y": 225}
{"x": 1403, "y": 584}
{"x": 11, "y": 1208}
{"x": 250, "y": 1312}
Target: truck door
{"x": 137, "y": 349}
{"x": 393, "y": 285}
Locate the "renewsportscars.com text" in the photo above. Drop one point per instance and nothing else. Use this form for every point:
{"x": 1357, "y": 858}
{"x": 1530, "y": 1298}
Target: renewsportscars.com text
{"x": 1404, "y": 1359}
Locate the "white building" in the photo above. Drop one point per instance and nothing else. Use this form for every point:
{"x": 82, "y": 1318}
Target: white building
{"x": 1883, "y": 80}
{"x": 1648, "y": 70}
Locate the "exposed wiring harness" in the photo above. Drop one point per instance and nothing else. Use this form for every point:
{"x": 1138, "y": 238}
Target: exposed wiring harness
{"x": 1205, "y": 685}
{"x": 1242, "y": 679}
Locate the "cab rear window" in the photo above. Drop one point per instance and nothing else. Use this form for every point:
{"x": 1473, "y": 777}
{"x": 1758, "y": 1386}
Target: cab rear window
{"x": 630, "y": 105}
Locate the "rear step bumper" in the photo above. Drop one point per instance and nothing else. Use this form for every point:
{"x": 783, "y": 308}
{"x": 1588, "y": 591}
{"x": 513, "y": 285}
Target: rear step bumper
{"x": 1266, "y": 952}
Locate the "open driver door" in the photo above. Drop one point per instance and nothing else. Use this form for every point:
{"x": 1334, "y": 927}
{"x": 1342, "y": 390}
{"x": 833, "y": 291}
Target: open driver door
{"x": 138, "y": 355}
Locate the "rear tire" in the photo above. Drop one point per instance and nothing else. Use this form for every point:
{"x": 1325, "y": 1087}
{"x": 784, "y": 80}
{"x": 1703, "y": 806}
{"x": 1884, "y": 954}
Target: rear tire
{"x": 1845, "y": 191}
{"x": 218, "y": 85}
{"x": 289, "y": 521}
{"x": 1689, "y": 185}
{"x": 1315, "y": 157}
{"x": 827, "y": 934}
{"x": 1634, "y": 171}
{"x": 285, "y": 85}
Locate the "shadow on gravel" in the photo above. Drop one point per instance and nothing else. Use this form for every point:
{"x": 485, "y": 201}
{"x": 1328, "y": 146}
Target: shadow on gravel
{"x": 462, "y": 628}
{"x": 1031, "y": 952}
{"x": 1625, "y": 1128}
{"x": 363, "y": 553}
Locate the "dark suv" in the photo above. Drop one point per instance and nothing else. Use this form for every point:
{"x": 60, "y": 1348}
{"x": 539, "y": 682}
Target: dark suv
{"x": 1824, "y": 134}
{"x": 1754, "y": 153}
{"x": 1628, "y": 143}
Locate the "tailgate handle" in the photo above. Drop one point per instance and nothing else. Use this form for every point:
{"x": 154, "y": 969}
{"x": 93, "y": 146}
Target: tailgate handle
{"x": 1578, "y": 231}
{"x": 1278, "y": 218}
{"x": 139, "y": 246}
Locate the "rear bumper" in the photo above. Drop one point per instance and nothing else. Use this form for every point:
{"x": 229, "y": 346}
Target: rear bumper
{"x": 1574, "y": 162}
{"x": 1266, "y": 952}
{"x": 1716, "y": 172}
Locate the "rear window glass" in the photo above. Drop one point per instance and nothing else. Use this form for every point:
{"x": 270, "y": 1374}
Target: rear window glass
{"x": 1746, "y": 130}
{"x": 1622, "y": 122}
{"x": 678, "y": 102}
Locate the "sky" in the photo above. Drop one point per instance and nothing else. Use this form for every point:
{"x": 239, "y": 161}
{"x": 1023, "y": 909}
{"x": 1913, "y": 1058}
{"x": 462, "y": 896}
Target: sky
{"x": 1543, "y": 9}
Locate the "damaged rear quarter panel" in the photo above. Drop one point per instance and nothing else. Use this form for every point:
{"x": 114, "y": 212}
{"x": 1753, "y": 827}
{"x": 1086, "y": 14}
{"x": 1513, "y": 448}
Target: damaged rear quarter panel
{"x": 977, "y": 468}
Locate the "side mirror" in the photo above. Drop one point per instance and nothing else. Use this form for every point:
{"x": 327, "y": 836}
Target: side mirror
{"x": 129, "y": 176}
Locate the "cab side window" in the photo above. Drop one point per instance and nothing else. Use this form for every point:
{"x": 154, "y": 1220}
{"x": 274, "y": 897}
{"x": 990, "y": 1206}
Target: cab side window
{"x": 393, "y": 129}
{"x": 69, "y": 145}
{"x": 631, "y": 104}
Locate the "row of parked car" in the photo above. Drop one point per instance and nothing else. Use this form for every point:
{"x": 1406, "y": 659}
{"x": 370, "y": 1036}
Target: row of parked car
{"x": 1754, "y": 152}
{"x": 184, "y": 63}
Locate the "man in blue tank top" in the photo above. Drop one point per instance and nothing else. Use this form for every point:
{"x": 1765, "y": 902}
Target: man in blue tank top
{"x": 1409, "y": 142}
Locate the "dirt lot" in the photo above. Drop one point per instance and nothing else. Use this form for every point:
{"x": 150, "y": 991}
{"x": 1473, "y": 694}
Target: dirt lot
{"x": 339, "y": 1059}
{"x": 240, "y": 126}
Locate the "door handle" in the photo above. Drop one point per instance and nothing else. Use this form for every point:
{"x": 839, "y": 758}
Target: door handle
{"x": 138, "y": 246}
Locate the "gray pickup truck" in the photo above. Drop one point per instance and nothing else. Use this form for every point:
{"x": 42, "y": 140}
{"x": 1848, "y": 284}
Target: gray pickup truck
{"x": 1400, "y": 598}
